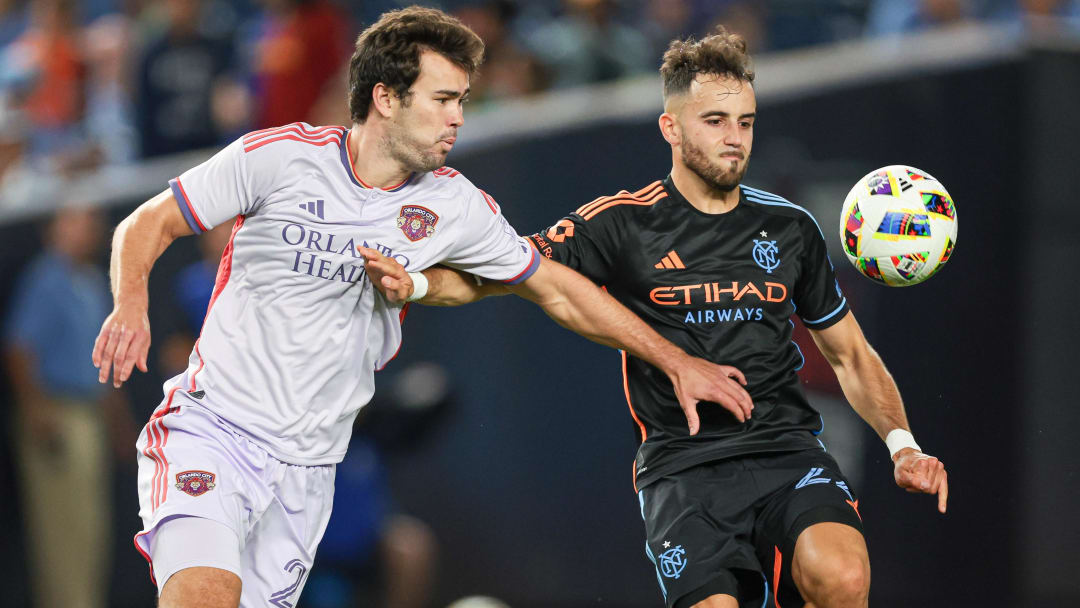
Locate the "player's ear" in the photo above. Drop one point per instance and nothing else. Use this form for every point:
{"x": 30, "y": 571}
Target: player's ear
{"x": 669, "y": 128}
{"x": 382, "y": 99}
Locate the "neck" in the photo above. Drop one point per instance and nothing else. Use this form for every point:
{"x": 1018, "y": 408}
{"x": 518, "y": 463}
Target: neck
{"x": 372, "y": 165}
{"x": 700, "y": 194}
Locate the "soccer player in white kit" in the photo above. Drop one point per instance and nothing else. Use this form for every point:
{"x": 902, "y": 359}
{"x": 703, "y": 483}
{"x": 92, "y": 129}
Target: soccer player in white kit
{"x": 236, "y": 466}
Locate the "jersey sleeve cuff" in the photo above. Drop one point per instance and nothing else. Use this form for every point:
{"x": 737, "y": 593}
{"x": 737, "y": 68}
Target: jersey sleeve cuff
{"x": 184, "y": 203}
{"x": 828, "y": 320}
{"x": 534, "y": 263}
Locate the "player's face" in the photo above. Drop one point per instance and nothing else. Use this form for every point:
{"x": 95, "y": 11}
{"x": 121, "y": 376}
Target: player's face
{"x": 424, "y": 128}
{"x": 716, "y": 122}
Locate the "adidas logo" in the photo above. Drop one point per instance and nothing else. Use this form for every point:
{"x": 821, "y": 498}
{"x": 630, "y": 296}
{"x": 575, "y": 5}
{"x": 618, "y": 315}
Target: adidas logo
{"x": 670, "y": 261}
{"x": 314, "y": 208}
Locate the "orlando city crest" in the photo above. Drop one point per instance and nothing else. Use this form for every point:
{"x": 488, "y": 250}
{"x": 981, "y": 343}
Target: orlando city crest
{"x": 195, "y": 483}
{"x": 417, "y": 222}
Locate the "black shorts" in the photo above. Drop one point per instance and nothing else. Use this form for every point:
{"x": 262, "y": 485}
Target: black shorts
{"x": 730, "y": 526}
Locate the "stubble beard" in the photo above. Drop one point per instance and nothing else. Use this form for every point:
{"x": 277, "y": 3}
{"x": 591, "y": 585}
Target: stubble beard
{"x": 712, "y": 173}
{"x": 410, "y": 152}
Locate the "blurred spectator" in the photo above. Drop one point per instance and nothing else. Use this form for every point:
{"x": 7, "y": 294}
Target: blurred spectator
{"x": 178, "y": 73}
{"x": 588, "y": 44}
{"x": 109, "y": 121}
{"x": 13, "y": 20}
{"x": 898, "y": 16}
{"x": 372, "y": 554}
{"x": 665, "y": 20}
{"x": 299, "y": 55}
{"x": 748, "y": 19}
{"x": 1041, "y": 17}
{"x": 43, "y": 75}
{"x": 795, "y": 23}
{"x": 64, "y": 417}
{"x": 508, "y": 69}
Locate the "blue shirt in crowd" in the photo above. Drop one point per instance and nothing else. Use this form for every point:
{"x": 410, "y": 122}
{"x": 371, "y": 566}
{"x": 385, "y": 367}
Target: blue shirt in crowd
{"x": 56, "y": 313}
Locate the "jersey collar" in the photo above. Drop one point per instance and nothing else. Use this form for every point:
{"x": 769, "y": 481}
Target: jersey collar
{"x": 673, "y": 193}
{"x": 346, "y": 159}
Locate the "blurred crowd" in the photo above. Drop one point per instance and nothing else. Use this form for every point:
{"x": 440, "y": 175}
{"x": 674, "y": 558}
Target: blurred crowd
{"x": 94, "y": 83}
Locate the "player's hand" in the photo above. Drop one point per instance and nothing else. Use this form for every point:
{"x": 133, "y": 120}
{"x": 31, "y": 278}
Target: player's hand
{"x": 918, "y": 472}
{"x": 700, "y": 380}
{"x": 387, "y": 275}
{"x": 123, "y": 343}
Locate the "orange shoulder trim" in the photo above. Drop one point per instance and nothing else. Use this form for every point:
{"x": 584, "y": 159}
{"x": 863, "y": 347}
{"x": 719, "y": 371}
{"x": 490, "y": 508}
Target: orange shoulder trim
{"x": 646, "y": 196}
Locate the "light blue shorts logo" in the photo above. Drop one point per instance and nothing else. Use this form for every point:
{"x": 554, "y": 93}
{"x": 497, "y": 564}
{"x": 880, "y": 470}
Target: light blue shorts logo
{"x": 673, "y": 561}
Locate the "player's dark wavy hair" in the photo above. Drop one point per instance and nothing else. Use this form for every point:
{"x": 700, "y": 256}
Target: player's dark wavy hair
{"x": 389, "y": 52}
{"x": 722, "y": 53}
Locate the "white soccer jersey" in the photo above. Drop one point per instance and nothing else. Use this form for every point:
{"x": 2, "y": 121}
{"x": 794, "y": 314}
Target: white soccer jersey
{"x": 295, "y": 329}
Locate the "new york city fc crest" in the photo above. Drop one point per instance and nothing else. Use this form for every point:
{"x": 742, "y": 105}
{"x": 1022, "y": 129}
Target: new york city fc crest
{"x": 417, "y": 222}
{"x": 195, "y": 483}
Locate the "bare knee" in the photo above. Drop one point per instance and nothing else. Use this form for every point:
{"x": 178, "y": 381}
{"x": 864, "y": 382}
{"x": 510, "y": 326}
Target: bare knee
{"x": 203, "y": 587}
{"x": 831, "y": 567}
{"x": 717, "y": 601}
{"x": 838, "y": 581}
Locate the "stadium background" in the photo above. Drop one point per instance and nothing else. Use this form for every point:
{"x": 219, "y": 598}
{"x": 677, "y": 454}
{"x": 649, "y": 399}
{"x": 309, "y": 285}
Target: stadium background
{"x": 524, "y": 473}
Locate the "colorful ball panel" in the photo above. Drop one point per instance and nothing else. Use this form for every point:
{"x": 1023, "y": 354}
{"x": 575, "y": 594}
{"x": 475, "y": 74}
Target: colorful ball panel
{"x": 898, "y": 225}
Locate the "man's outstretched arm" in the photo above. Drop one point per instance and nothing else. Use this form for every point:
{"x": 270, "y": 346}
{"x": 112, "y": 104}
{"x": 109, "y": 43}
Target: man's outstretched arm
{"x": 124, "y": 339}
{"x": 871, "y": 390}
{"x": 446, "y": 286}
{"x": 578, "y": 304}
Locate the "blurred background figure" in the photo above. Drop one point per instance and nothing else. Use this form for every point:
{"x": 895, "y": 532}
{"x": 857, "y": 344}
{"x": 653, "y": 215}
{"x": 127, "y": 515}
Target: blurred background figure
{"x": 65, "y": 420}
{"x": 588, "y": 43}
{"x": 509, "y": 70}
{"x": 181, "y": 68}
{"x": 109, "y": 111}
{"x": 897, "y": 16}
{"x": 373, "y": 553}
{"x": 43, "y": 76}
{"x": 300, "y": 50}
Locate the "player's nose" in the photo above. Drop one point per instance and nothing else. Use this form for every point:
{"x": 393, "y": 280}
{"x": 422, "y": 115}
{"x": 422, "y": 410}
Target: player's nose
{"x": 457, "y": 116}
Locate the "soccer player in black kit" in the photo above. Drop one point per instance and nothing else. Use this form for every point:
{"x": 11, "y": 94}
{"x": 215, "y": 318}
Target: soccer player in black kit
{"x": 739, "y": 505}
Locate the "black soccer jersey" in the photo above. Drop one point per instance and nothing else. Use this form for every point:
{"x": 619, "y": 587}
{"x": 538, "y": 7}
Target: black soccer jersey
{"x": 721, "y": 286}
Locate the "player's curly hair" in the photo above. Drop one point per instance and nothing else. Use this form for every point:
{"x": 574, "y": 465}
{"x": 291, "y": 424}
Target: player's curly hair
{"x": 722, "y": 53}
{"x": 389, "y": 52}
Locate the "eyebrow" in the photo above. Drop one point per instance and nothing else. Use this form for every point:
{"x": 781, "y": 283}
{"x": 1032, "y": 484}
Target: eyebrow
{"x": 726, "y": 114}
{"x": 452, "y": 93}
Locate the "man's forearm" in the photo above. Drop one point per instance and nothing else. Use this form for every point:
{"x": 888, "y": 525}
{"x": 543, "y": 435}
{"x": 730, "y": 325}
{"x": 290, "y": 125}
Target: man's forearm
{"x": 872, "y": 392}
{"x": 580, "y": 306}
{"x": 449, "y": 287}
{"x": 137, "y": 243}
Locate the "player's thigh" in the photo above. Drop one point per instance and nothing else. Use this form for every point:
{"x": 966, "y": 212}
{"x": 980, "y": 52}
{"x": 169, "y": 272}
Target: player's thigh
{"x": 831, "y": 557}
{"x": 201, "y": 587}
{"x": 811, "y": 492}
{"x": 698, "y": 539}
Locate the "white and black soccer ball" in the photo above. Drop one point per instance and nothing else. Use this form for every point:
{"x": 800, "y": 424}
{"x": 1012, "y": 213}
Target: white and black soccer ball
{"x": 898, "y": 226}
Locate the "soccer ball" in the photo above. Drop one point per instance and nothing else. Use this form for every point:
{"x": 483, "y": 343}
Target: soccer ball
{"x": 898, "y": 226}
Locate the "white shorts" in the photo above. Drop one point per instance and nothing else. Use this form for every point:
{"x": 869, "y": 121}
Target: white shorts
{"x": 192, "y": 464}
